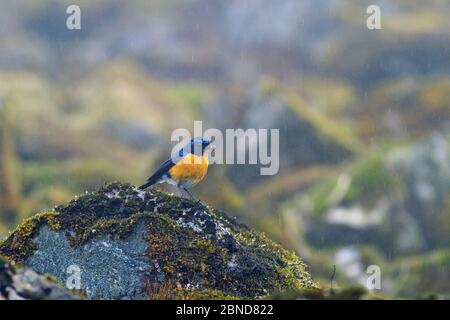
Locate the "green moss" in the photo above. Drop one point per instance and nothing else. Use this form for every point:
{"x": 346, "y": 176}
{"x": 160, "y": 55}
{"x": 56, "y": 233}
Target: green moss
{"x": 52, "y": 221}
{"x": 89, "y": 227}
{"x": 20, "y": 244}
{"x": 183, "y": 256}
{"x": 205, "y": 295}
{"x": 288, "y": 270}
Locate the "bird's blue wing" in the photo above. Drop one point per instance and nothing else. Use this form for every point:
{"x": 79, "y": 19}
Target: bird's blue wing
{"x": 162, "y": 170}
{"x": 165, "y": 167}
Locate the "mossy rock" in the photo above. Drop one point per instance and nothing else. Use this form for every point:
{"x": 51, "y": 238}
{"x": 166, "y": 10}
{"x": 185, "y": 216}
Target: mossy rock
{"x": 130, "y": 244}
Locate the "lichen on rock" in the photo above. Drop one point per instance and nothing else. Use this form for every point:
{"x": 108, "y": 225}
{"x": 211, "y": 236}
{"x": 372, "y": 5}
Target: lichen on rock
{"x": 130, "y": 244}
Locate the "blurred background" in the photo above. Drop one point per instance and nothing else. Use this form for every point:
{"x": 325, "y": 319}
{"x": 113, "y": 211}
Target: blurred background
{"x": 364, "y": 119}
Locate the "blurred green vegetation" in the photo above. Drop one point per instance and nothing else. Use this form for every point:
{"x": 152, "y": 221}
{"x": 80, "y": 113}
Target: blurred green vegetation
{"x": 9, "y": 192}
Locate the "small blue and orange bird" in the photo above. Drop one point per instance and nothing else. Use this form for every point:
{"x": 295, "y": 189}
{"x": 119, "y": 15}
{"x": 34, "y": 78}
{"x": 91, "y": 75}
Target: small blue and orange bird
{"x": 187, "y": 169}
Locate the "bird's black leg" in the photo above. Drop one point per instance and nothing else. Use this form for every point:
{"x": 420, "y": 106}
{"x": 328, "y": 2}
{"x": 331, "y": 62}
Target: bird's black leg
{"x": 192, "y": 197}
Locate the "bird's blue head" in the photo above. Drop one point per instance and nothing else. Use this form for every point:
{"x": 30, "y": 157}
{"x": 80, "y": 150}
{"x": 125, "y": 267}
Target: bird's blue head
{"x": 198, "y": 143}
{"x": 197, "y": 146}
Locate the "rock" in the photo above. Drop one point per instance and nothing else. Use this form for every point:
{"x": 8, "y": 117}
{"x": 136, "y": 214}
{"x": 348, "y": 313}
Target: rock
{"x": 129, "y": 244}
{"x": 397, "y": 200}
{"x": 425, "y": 170}
{"x": 306, "y": 137}
{"x": 24, "y": 283}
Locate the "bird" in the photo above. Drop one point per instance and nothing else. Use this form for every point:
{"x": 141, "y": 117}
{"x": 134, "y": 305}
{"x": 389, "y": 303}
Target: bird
{"x": 186, "y": 169}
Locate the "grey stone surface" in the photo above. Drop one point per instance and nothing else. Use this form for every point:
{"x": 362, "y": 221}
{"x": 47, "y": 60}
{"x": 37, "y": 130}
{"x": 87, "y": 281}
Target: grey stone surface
{"x": 120, "y": 262}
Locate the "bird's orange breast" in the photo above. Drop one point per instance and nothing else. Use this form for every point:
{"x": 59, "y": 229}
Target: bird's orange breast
{"x": 191, "y": 168}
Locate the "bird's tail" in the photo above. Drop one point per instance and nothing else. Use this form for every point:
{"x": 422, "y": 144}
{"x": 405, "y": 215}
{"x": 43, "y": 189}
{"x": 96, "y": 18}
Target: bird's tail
{"x": 145, "y": 186}
{"x": 158, "y": 175}
{"x": 151, "y": 181}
